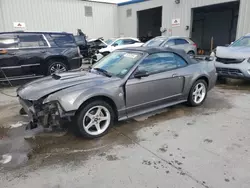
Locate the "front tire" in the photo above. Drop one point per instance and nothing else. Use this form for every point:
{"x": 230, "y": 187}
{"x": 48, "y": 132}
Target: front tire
{"x": 198, "y": 93}
{"x": 94, "y": 120}
{"x": 56, "y": 66}
{"x": 191, "y": 54}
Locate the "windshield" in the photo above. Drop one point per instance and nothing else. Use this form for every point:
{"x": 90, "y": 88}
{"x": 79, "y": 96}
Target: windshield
{"x": 118, "y": 63}
{"x": 244, "y": 41}
{"x": 109, "y": 41}
{"x": 155, "y": 42}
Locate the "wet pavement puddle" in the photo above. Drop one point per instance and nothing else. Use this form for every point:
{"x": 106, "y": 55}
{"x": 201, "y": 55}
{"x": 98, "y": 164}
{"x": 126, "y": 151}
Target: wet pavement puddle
{"x": 52, "y": 148}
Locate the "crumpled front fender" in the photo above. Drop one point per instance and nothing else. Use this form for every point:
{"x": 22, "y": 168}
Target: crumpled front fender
{"x": 73, "y": 100}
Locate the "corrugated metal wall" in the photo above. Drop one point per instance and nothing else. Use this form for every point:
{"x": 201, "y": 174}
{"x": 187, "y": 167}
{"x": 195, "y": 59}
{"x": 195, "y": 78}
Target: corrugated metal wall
{"x": 244, "y": 18}
{"x": 1, "y": 17}
{"x": 69, "y": 15}
{"x": 128, "y": 25}
{"x": 60, "y": 15}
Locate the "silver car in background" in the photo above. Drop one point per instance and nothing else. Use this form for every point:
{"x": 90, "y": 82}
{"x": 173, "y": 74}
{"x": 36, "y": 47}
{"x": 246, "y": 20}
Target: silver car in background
{"x": 122, "y": 85}
{"x": 174, "y": 42}
{"x": 234, "y": 61}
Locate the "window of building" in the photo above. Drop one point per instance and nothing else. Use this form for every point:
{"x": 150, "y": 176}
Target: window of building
{"x": 88, "y": 11}
{"x": 129, "y": 12}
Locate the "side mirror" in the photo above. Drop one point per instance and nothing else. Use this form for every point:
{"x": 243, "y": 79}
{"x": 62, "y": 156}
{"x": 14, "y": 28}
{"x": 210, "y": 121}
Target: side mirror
{"x": 115, "y": 44}
{"x": 140, "y": 74}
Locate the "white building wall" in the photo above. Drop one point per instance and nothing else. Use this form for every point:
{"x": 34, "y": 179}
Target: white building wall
{"x": 128, "y": 25}
{"x": 60, "y": 15}
{"x": 244, "y": 18}
{"x": 1, "y": 18}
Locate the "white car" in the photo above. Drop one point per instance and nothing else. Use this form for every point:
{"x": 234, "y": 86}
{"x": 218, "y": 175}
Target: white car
{"x": 234, "y": 61}
{"x": 119, "y": 43}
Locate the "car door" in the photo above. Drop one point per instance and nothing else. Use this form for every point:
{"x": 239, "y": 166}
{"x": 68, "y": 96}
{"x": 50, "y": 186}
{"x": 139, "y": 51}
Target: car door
{"x": 163, "y": 85}
{"x": 9, "y": 60}
{"x": 32, "y": 52}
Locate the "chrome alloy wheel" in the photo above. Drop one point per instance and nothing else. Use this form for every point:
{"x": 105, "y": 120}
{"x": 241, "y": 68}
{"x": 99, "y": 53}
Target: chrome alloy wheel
{"x": 199, "y": 93}
{"x": 57, "y": 68}
{"x": 96, "y": 120}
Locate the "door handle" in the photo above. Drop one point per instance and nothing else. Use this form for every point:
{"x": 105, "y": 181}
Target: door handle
{"x": 175, "y": 75}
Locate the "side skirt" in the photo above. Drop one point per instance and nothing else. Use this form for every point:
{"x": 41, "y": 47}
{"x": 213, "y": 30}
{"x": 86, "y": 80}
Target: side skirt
{"x": 151, "y": 110}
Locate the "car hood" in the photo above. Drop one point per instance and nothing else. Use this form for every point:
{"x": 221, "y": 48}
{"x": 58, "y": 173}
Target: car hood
{"x": 51, "y": 84}
{"x": 233, "y": 52}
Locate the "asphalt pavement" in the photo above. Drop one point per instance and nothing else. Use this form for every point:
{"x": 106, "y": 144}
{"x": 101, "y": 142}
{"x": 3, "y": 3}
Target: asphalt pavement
{"x": 182, "y": 147}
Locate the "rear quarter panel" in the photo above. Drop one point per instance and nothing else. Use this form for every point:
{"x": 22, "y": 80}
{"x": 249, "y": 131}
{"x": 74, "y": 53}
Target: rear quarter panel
{"x": 193, "y": 72}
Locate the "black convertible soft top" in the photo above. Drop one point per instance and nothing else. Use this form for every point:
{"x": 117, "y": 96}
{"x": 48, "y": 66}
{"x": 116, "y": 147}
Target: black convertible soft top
{"x": 152, "y": 50}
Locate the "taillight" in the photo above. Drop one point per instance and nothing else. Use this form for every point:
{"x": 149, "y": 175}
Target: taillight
{"x": 195, "y": 45}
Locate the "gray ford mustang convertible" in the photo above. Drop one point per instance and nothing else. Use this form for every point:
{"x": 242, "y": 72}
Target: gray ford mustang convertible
{"x": 124, "y": 84}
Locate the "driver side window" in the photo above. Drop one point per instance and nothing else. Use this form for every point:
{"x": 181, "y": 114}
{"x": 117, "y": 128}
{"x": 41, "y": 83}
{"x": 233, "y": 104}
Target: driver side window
{"x": 170, "y": 42}
{"x": 118, "y": 43}
{"x": 158, "y": 62}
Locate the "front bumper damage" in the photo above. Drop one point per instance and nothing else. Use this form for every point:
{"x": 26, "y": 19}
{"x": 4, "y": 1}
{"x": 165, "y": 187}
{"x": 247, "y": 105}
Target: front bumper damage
{"x": 49, "y": 115}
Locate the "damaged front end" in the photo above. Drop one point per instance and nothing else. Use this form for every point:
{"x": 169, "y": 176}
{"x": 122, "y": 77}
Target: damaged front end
{"x": 48, "y": 115}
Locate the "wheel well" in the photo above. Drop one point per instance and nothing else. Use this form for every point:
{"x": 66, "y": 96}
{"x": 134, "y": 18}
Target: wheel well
{"x": 191, "y": 51}
{"x": 53, "y": 58}
{"x": 205, "y": 79}
{"x": 103, "y": 98}
{"x": 61, "y": 58}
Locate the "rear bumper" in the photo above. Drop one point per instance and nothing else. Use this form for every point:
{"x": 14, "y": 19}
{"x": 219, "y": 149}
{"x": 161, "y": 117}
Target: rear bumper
{"x": 75, "y": 63}
{"x": 238, "y": 70}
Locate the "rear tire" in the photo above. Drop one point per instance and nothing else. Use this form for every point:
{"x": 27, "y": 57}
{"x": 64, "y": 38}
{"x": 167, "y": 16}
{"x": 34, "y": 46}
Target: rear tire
{"x": 56, "y": 66}
{"x": 191, "y": 53}
{"x": 94, "y": 120}
{"x": 198, "y": 93}
{"x": 22, "y": 111}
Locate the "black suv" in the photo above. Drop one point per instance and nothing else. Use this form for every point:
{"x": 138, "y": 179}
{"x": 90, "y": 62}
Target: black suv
{"x": 26, "y": 55}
